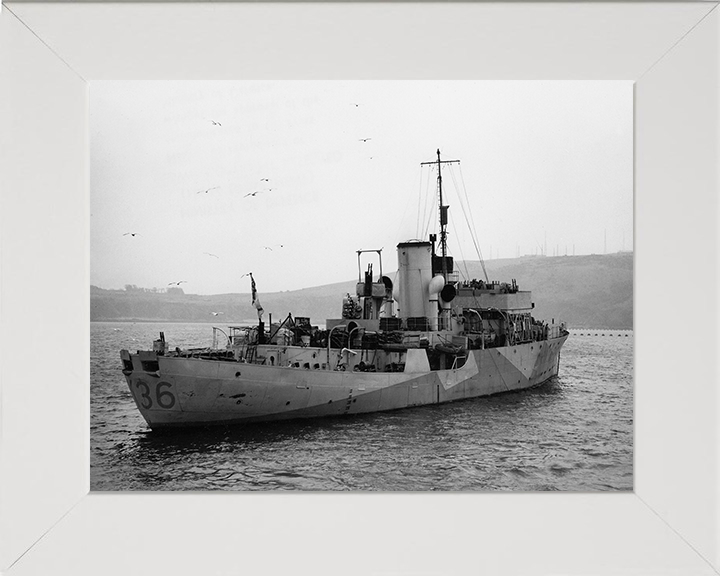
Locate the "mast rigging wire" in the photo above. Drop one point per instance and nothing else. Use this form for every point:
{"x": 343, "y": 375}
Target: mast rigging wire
{"x": 467, "y": 273}
{"x": 425, "y": 202}
{"x": 428, "y": 217}
{"x": 469, "y": 221}
{"x": 429, "y": 199}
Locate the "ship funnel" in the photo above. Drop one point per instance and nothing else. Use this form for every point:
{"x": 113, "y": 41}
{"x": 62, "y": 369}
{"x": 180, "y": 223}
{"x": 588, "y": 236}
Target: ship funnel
{"x": 414, "y": 277}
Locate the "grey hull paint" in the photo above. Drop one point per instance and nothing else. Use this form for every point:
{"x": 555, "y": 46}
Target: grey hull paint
{"x": 188, "y": 392}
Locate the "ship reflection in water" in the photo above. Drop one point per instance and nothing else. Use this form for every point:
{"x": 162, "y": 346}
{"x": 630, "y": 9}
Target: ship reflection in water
{"x": 573, "y": 433}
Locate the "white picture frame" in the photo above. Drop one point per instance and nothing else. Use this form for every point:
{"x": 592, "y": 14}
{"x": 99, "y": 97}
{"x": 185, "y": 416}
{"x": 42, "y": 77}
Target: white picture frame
{"x": 49, "y": 523}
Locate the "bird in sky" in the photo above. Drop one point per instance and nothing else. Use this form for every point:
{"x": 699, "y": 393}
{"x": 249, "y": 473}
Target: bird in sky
{"x": 216, "y": 313}
{"x": 364, "y": 139}
{"x": 213, "y": 255}
{"x": 273, "y": 246}
{"x": 264, "y": 179}
{"x": 131, "y": 234}
{"x": 207, "y": 190}
{"x": 253, "y": 193}
{"x": 215, "y": 123}
{"x": 177, "y": 283}
{"x": 246, "y": 274}
{"x": 353, "y": 104}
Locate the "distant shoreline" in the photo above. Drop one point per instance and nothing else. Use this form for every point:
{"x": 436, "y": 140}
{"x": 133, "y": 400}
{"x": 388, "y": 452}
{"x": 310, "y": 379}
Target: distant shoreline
{"x": 595, "y": 291}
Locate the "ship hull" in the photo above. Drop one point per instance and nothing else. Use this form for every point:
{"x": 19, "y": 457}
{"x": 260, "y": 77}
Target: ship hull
{"x": 175, "y": 391}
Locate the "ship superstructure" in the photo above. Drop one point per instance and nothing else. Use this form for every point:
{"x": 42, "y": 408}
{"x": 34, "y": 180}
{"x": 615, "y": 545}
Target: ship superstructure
{"x": 428, "y": 339}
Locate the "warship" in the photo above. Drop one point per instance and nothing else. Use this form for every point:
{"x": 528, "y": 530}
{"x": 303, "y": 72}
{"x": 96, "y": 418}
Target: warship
{"x": 427, "y": 338}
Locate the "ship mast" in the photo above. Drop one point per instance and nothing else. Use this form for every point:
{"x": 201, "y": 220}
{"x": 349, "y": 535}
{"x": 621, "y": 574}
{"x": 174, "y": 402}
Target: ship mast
{"x": 443, "y": 210}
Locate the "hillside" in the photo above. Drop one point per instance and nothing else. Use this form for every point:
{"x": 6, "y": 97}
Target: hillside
{"x": 585, "y": 291}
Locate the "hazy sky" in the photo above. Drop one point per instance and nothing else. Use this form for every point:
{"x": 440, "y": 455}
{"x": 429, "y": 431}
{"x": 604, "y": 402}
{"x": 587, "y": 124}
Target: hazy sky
{"x": 541, "y": 162}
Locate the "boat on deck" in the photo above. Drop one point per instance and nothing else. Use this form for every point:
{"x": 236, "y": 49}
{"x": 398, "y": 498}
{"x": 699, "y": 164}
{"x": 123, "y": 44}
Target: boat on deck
{"x": 429, "y": 338}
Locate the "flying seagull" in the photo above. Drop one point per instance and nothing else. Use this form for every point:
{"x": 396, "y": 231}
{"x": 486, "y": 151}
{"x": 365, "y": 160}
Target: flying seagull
{"x": 264, "y": 179}
{"x": 215, "y": 123}
{"x": 216, "y": 313}
{"x": 131, "y": 234}
{"x": 253, "y": 193}
{"x": 213, "y": 255}
{"x": 353, "y": 104}
{"x": 177, "y": 283}
{"x": 364, "y": 139}
{"x": 207, "y": 190}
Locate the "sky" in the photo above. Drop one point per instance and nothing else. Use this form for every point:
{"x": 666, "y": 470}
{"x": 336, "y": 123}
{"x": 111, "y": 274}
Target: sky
{"x": 336, "y": 167}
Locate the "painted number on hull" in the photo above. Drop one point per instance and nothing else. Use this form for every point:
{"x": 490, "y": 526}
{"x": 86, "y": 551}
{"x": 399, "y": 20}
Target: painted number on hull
{"x": 163, "y": 398}
{"x": 145, "y": 394}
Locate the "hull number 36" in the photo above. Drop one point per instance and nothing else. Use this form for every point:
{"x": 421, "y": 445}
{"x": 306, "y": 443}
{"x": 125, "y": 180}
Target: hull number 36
{"x": 163, "y": 398}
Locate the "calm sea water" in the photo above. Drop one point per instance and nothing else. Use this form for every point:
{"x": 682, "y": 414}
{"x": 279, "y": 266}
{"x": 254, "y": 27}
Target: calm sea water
{"x": 573, "y": 433}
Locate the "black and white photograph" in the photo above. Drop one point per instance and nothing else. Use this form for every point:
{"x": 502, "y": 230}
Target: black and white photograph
{"x": 377, "y": 288}
{"x": 367, "y": 286}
